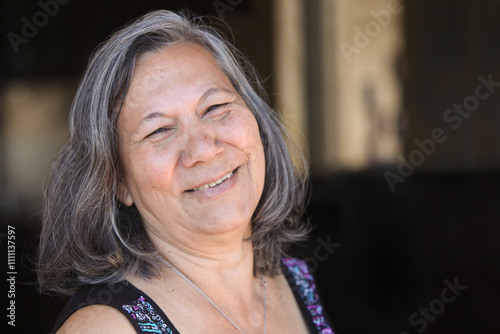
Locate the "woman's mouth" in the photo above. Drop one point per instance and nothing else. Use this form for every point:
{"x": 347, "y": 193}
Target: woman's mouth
{"x": 213, "y": 184}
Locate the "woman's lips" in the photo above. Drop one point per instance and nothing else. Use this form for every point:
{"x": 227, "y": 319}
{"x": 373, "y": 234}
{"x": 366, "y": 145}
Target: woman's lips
{"x": 213, "y": 184}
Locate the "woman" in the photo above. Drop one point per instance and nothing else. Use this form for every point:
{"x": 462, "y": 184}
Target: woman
{"x": 171, "y": 206}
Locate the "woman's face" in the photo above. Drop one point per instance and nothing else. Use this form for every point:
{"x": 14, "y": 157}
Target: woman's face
{"x": 191, "y": 155}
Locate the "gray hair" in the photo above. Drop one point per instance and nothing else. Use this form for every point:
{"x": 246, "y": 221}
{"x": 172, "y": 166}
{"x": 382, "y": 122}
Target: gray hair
{"x": 88, "y": 235}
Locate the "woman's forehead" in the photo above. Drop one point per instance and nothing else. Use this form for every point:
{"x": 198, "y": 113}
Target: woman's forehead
{"x": 173, "y": 58}
{"x": 176, "y": 69}
{"x": 173, "y": 65}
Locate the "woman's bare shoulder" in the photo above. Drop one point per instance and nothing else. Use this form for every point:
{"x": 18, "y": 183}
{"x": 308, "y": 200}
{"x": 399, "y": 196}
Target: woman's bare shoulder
{"x": 97, "y": 319}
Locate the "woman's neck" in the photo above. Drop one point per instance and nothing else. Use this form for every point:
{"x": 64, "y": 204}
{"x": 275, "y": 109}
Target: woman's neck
{"x": 217, "y": 261}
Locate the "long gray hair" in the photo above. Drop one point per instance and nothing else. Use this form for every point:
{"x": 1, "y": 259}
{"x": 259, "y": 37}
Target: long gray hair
{"x": 88, "y": 235}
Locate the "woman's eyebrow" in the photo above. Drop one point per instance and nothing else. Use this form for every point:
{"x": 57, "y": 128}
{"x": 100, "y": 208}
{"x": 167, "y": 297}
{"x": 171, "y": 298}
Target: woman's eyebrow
{"x": 151, "y": 116}
{"x": 214, "y": 90}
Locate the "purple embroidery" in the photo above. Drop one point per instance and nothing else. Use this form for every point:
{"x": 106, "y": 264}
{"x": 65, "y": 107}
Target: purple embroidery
{"x": 147, "y": 318}
{"x": 306, "y": 288}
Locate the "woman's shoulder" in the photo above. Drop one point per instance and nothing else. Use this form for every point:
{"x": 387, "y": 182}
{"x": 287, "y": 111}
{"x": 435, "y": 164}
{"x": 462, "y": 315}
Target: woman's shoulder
{"x": 112, "y": 308}
{"x": 96, "y": 309}
{"x": 96, "y": 319}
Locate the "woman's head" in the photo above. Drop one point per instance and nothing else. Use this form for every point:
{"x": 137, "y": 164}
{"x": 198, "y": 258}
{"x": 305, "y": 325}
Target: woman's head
{"x": 93, "y": 230}
{"x": 190, "y": 152}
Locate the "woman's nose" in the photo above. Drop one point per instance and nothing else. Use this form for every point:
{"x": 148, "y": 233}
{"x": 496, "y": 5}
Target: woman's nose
{"x": 201, "y": 145}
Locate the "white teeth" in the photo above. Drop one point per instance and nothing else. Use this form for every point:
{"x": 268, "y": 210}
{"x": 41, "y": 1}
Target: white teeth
{"x": 213, "y": 184}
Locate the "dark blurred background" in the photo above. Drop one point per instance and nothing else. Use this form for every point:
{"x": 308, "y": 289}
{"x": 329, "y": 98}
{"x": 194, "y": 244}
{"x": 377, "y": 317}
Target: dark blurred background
{"x": 396, "y": 102}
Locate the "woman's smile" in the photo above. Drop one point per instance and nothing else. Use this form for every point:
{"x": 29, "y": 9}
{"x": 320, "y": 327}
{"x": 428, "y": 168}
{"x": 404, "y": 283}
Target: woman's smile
{"x": 213, "y": 184}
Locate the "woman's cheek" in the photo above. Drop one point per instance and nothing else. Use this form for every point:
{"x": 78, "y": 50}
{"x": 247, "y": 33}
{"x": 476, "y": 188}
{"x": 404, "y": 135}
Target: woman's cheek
{"x": 156, "y": 167}
{"x": 241, "y": 131}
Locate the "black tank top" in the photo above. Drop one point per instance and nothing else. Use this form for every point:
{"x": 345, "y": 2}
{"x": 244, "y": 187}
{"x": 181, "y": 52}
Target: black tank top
{"x": 147, "y": 317}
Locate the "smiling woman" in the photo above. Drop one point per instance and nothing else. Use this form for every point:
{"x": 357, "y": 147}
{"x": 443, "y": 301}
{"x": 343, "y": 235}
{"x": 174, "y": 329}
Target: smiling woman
{"x": 176, "y": 194}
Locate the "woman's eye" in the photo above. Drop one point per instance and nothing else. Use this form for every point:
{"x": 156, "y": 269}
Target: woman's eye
{"x": 218, "y": 111}
{"x": 160, "y": 130}
{"x": 216, "y": 106}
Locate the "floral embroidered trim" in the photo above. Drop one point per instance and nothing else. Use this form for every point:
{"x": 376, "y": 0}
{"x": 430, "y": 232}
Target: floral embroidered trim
{"x": 146, "y": 317}
{"x": 304, "y": 283}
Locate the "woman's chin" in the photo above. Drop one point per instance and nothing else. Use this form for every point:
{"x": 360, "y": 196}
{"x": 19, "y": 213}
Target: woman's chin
{"x": 232, "y": 227}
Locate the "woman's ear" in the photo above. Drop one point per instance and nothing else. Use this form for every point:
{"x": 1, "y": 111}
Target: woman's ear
{"x": 124, "y": 193}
